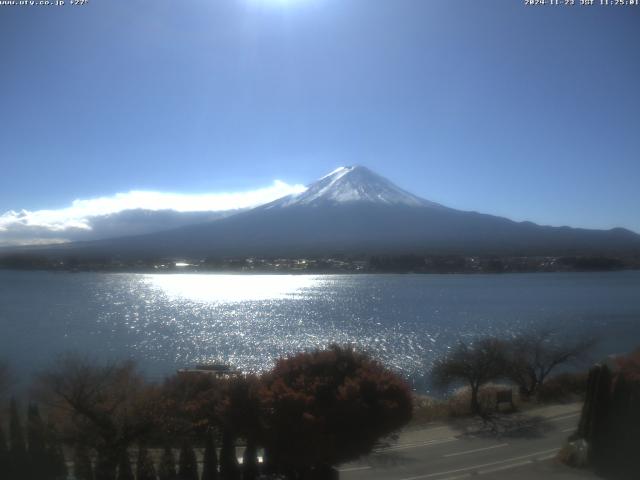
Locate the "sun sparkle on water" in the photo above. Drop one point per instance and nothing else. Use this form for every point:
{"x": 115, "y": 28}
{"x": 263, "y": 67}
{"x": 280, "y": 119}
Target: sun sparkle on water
{"x": 231, "y": 288}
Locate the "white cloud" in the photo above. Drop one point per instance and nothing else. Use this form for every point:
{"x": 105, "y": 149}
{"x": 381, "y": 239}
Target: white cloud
{"x": 84, "y": 217}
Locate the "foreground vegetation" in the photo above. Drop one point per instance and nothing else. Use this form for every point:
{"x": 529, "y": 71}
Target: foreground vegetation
{"x": 311, "y": 412}
{"x": 567, "y": 387}
{"x": 525, "y": 361}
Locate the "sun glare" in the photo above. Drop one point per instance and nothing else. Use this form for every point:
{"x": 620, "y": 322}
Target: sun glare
{"x": 281, "y": 3}
{"x": 231, "y": 288}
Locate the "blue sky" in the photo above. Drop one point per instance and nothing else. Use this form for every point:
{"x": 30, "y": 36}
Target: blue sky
{"x": 526, "y": 112}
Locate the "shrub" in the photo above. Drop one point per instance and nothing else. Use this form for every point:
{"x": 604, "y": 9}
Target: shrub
{"x": 167, "y": 467}
{"x": 124, "y": 467}
{"x": 428, "y": 409}
{"x": 210, "y": 461}
{"x": 338, "y": 400}
{"x": 458, "y": 404}
{"x": 187, "y": 463}
{"x": 82, "y": 468}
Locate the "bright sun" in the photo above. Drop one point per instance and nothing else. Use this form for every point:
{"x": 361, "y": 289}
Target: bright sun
{"x": 277, "y": 2}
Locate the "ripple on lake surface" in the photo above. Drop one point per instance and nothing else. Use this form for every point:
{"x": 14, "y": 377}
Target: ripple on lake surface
{"x": 168, "y": 321}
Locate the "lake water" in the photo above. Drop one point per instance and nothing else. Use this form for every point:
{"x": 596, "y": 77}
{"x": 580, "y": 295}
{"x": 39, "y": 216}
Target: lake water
{"x": 168, "y": 321}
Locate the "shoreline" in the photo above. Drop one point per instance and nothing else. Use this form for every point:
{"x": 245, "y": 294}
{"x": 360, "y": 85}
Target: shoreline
{"x": 203, "y": 271}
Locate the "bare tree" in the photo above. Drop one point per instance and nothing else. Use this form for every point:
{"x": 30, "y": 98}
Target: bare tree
{"x": 107, "y": 407}
{"x": 474, "y": 364}
{"x": 532, "y": 356}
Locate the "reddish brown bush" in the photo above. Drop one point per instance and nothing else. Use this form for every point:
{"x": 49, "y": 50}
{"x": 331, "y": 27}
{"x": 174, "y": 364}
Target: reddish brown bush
{"x": 330, "y": 406}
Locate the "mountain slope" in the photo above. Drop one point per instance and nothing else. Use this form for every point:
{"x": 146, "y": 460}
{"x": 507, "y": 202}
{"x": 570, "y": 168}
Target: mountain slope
{"x": 353, "y": 210}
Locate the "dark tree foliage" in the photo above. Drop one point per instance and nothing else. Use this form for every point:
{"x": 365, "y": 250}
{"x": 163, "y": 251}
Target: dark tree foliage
{"x": 16, "y": 435}
{"x": 590, "y": 264}
{"x": 167, "y": 467}
{"x": 239, "y": 415}
{"x": 250, "y": 468}
{"x": 239, "y": 408}
{"x": 474, "y": 364}
{"x": 532, "y": 356}
{"x": 195, "y": 404}
{"x": 188, "y": 404}
{"x": 610, "y": 421}
{"x": 56, "y": 462}
{"x": 145, "y": 469}
{"x": 37, "y": 444}
{"x": 82, "y": 468}
{"x": 187, "y": 463}
{"x": 125, "y": 472}
{"x": 25, "y": 261}
{"x": 398, "y": 263}
{"x": 4, "y": 455}
{"x": 59, "y": 470}
{"x": 210, "y": 461}
{"x": 18, "y": 460}
{"x": 339, "y": 401}
{"x": 594, "y": 411}
{"x": 229, "y": 468}
{"x": 106, "y": 464}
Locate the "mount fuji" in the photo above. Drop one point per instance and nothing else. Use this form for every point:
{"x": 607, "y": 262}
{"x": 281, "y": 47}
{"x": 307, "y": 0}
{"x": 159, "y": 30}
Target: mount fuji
{"x": 352, "y": 210}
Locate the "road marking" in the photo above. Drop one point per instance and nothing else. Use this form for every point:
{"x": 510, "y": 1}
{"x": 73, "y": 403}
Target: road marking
{"x": 476, "y": 467}
{"x": 475, "y": 450}
{"x": 504, "y": 467}
{"x": 515, "y": 465}
{"x": 572, "y": 429}
{"x": 431, "y": 429}
{"x": 472, "y": 470}
{"x": 354, "y": 469}
{"x": 563, "y": 417}
{"x": 547, "y": 457}
{"x": 406, "y": 446}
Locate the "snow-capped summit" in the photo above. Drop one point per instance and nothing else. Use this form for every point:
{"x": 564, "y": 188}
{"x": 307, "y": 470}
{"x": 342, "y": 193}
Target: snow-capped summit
{"x": 353, "y": 184}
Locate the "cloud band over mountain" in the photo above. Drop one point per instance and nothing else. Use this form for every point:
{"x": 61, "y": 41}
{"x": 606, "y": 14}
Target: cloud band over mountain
{"x": 133, "y": 212}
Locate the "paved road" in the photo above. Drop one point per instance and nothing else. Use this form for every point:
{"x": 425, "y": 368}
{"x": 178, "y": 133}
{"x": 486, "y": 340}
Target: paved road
{"x": 520, "y": 446}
